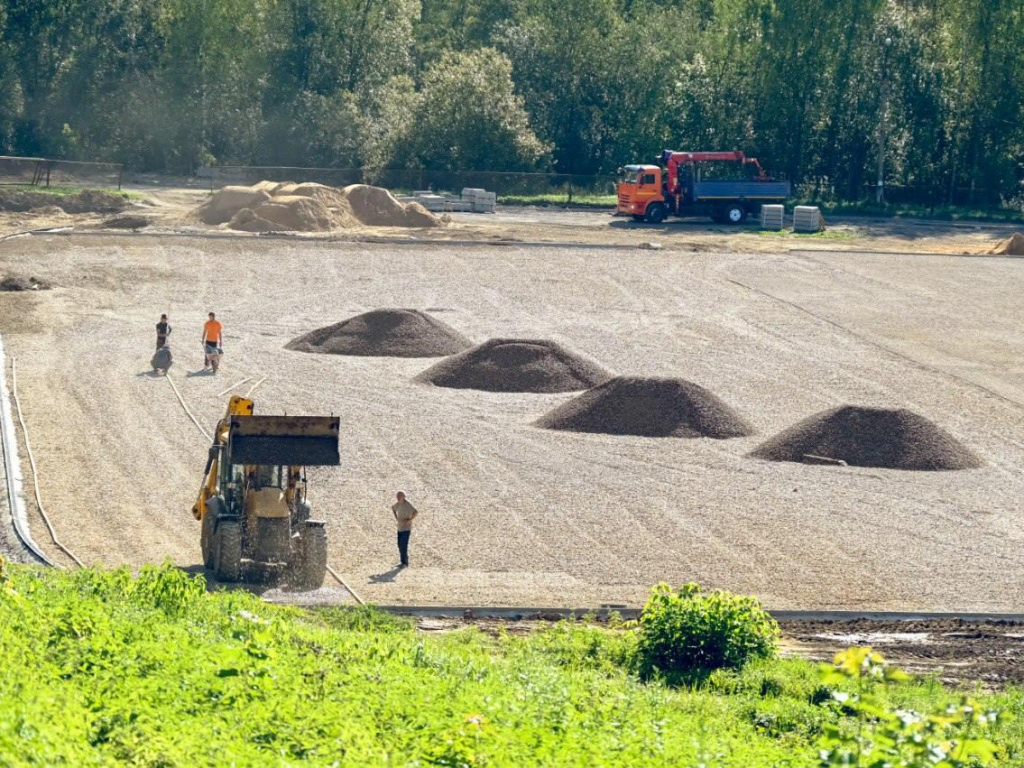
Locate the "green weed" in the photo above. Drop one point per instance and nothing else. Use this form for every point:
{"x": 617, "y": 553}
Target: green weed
{"x": 103, "y": 668}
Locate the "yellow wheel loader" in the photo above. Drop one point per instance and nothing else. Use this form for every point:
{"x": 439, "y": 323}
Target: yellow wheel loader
{"x": 257, "y": 523}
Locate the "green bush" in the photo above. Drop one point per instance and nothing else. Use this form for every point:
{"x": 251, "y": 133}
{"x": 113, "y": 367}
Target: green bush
{"x": 688, "y": 632}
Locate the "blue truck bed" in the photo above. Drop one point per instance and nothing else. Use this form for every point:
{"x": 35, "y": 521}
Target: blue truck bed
{"x": 737, "y": 190}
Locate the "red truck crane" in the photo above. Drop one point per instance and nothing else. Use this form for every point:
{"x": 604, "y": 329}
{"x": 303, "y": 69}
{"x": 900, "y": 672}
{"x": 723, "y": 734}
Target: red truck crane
{"x": 676, "y": 186}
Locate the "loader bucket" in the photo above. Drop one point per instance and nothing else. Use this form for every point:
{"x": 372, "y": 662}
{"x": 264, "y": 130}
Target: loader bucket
{"x": 284, "y": 440}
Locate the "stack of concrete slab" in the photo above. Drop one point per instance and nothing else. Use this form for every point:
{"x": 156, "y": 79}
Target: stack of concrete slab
{"x": 807, "y": 218}
{"x": 772, "y": 217}
{"x": 434, "y": 202}
{"x": 482, "y": 200}
{"x": 470, "y": 201}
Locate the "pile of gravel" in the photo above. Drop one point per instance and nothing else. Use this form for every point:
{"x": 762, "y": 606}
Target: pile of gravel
{"x": 649, "y": 407}
{"x": 516, "y": 365}
{"x": 870, "y": 437}
{"x": 384, "y": 333}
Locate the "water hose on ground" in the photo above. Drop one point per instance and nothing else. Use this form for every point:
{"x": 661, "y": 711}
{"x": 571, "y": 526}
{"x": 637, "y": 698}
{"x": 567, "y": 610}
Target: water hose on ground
{"x": 32, "y": 463}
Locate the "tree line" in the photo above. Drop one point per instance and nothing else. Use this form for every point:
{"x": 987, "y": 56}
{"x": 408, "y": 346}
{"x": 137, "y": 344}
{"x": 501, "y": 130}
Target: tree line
{"x": 820, "y": 91}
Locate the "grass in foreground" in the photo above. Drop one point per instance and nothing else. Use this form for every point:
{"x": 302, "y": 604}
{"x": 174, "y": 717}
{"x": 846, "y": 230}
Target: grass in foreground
{"x": 101, "y": 668}
{"x": 938, "y": 213}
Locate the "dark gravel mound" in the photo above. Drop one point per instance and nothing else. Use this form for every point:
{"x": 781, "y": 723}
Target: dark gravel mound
{"x": 23, "y": 284}
{"x": 870, "y": 437}
{"x": 649, "y": 407}
{"x": 384, "y": 333}
{"x": 127, "y": 221}
{"x": 516, "y": 365}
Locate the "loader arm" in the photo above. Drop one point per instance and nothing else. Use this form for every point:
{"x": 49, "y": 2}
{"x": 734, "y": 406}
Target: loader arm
{"x": 237, "y": 406}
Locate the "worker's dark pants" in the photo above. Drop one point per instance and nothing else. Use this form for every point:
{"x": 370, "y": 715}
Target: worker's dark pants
{"x": 160, "y": 341}
{"x": 403, "y": 546}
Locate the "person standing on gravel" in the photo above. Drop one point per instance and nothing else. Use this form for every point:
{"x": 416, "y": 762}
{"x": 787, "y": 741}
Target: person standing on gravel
{"x": 212, "y": 342}
{"x": 163, "y": 330}
{"x": 405, "y": 513}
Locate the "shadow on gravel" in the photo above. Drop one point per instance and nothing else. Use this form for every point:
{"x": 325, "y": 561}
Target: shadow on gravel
{"x": 386, "y": 577}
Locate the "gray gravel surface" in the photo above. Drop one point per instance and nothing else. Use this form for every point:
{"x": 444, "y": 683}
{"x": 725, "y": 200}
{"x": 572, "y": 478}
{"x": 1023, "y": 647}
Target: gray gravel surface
{"x": 514, "y": 514}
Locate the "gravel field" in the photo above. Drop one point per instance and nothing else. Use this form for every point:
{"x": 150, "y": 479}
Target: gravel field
{"x": 517, "y": 515}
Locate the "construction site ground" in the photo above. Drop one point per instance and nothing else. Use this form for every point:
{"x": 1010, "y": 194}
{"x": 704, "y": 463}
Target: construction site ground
{"x": 166, "y": 208}
{"x": 990, "y": 653}
{"x": 512, "y": 514}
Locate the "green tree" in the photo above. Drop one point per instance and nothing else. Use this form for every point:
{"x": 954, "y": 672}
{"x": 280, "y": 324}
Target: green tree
{"x": 468, "y": 116}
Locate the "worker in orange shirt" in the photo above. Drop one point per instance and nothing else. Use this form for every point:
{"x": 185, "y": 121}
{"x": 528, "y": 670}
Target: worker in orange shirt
{"x": 213, "y": 342}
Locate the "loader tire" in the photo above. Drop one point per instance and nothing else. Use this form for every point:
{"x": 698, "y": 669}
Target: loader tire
{"x": 228, "y": 543}
{"x": 206, "y": 536}
{"x": 310, "y": 565}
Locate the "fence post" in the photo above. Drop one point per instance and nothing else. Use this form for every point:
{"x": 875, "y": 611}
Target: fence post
{"x": 569, "y": 201}
{"x": 120, "y": 176}
{"x": 47, "y": 174}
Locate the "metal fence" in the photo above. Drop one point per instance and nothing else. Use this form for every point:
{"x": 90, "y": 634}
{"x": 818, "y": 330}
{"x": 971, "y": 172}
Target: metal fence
{"x": 822, "y": 191}
{"x": 540, "y": 187}
{"x": 46, "y": 172}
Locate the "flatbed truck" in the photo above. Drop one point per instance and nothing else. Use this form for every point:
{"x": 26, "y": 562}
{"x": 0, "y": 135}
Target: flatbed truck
{"x": 677, "y": 186}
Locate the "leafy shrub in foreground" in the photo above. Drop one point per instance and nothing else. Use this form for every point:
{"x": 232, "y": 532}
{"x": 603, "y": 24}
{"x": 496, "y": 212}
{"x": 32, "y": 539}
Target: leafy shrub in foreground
{"x": 877, "y": 734}
{"x": 688, "y": 631}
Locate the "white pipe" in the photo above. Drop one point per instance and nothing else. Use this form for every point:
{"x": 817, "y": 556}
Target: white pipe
{"x": 12, "y": 467}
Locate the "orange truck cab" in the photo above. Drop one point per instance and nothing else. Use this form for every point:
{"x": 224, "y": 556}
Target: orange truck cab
{"x": 679, "y": 186}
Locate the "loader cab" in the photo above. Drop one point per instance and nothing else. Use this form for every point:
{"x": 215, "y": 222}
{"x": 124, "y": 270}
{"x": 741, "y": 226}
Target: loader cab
{"x": 639, "y": 186}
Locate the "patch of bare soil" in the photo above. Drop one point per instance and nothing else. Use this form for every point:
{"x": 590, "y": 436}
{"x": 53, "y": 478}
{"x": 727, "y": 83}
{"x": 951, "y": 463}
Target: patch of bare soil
{"x": 385, "y": 333}
{"x": 516, "y": 365}
{"x": 870, "y": 437}
{"x": 86, "y": 201}
{"x": 954, "y": 650}
{"x": 649, "y": 407}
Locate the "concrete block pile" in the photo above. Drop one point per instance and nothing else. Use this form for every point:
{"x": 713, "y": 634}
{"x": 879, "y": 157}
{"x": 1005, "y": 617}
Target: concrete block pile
{"x": 772, "y": 217}
{"x": 472, "y": 200}
{"x": 807, "y": 218}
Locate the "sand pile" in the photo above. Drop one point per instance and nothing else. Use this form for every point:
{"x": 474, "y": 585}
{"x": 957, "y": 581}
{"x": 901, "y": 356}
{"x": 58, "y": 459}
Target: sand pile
{"x": 378, "y": 208}
{"x": 288, "y": 213}
{"x": 516, "y": 365}
{"x": 226, "y": 202}
{"x": 271, "y": 206}
{"x": 649, "y": 407}
{"x": 1011, "y": 246}
{"x": 385, "y": 333}
{"x": 15, "y": 284}
{"x": 870, "y": 437}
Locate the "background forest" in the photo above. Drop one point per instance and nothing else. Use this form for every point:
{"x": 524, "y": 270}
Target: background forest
{"x": 567, "y": 86}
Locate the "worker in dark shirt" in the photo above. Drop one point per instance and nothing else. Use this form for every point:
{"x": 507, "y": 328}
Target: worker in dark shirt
{"x": 163, "y": 330}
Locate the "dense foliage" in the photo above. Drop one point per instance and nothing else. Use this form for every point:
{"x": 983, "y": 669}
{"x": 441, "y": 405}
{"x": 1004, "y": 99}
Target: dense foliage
{"x": 686, "y": 631}
{"x": 575, "y": 86}
{"x": 103, "y": 668}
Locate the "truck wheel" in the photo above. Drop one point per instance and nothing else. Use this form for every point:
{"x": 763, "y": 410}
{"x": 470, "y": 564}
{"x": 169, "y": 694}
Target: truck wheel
{"x": 735, "y": 214}
{"x": 228, "y": 543}
{"x": 656, "y": 213}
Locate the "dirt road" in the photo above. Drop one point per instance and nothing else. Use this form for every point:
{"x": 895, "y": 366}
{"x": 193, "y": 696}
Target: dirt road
{"x": 512, "y": 514}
